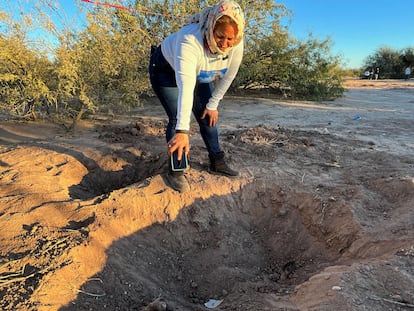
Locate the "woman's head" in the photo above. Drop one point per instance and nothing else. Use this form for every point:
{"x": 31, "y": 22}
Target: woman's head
{"x": 225, "y": 32}
{"x": 222, "y": 26}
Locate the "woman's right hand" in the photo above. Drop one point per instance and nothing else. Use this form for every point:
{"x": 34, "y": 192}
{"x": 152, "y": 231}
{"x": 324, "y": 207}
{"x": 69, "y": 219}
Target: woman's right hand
{"x": 180, "y": 143}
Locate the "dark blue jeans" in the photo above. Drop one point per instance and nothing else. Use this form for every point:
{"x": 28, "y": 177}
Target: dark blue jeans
{"x": 163, "y": 82}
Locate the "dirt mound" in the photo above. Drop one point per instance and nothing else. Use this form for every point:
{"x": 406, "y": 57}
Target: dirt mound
{"x": 316, "y": 221}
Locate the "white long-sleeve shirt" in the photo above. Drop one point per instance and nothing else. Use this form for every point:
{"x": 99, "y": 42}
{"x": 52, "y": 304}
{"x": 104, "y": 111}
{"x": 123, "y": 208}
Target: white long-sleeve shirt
{"x": 185, "y": 52}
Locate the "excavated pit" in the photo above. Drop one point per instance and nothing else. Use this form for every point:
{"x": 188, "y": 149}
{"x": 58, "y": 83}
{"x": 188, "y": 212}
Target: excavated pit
{"x": 130, "y": 158}
{"x": 257, "y": 244}
{"x": 308, "y": 202}
{"x": 258, "y": 241}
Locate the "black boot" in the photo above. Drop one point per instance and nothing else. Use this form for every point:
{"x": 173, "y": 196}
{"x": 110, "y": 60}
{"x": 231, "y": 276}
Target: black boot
{"x": 177, "y": 180}
{"x": 218, "y": 166}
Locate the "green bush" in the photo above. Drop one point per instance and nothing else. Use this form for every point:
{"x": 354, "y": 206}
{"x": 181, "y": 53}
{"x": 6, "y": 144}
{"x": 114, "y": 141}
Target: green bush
{"x": 302, "y": 70}
{"x": 25, "y": 79}
{"x": 103, "y": 67}
{"x": 391, "y": 62}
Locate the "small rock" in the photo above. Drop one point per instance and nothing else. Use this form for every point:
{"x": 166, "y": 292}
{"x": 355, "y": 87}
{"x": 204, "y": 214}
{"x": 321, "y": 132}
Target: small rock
{"x": 283, "y": 211}
{"x": 397, "y": 298}
{"x": 156, "y": 305}
{"x": 134, "y": 131}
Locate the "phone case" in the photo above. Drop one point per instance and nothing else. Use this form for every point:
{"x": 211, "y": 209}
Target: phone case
{"x": 176, "y": 165}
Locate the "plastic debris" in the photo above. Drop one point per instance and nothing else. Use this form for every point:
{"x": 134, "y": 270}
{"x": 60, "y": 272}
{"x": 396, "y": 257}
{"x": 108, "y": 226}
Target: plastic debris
{"x": 357, "y": 118}
{"x": 213, "y": 303}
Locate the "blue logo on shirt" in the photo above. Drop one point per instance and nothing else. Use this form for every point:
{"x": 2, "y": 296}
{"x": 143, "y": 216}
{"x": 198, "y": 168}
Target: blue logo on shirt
{"x": 210, "y": 76}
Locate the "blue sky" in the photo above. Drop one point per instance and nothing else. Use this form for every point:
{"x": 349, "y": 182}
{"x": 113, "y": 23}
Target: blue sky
{"x": 357, "y": 28}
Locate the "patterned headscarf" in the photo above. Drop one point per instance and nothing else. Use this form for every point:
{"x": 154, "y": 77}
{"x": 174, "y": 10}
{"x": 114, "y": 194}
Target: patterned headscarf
{"x": 207, "y": 20}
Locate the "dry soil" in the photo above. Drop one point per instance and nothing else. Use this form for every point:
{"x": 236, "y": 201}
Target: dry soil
{"x": 321, "y": 217}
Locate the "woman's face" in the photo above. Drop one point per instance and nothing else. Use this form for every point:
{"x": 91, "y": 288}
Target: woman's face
{"x": 225, "y": 36}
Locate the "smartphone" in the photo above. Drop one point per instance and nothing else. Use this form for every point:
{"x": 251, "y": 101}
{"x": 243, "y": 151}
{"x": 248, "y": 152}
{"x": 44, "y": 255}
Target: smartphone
{"x": 181, "y": 165}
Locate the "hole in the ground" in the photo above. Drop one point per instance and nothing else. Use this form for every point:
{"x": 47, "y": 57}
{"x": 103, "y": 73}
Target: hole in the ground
{"x": 100, "y": 181}
{"x": 137, "y": 151}
{"x": 239, "y": 247}
{"x": 116, "y": 171}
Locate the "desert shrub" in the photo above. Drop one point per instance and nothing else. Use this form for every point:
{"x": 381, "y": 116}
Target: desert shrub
{"x": 291, "y": 68}
{"x": 27, "y": 76}
{"x": 103, "y": 66}
{"x": 316, "y": 73}
{"x": 25, "y": 79}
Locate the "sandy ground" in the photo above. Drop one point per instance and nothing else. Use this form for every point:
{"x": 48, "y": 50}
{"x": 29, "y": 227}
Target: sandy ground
{"x": 321, "y": 217}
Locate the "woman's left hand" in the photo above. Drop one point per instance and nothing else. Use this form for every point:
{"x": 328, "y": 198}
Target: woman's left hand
{"x": 212, "y": 116}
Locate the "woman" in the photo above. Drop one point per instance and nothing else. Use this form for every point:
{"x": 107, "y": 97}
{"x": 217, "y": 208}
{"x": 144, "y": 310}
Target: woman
{"x": 190, "y": 72}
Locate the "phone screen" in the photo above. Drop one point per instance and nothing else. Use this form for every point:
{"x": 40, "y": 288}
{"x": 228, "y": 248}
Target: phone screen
{"x": 179, "y": 165}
